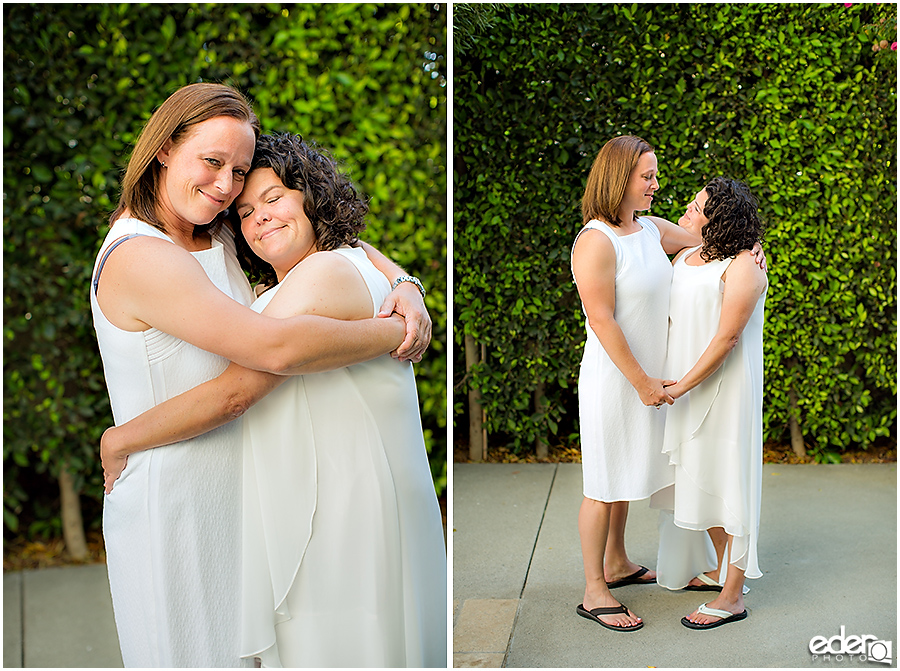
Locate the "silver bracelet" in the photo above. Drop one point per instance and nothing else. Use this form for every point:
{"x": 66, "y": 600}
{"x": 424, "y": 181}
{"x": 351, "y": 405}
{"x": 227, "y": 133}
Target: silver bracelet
{"x": 409, "y": 278}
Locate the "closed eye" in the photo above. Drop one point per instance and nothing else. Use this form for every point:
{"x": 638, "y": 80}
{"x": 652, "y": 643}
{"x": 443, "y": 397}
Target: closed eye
{"x": 246, "y": 213}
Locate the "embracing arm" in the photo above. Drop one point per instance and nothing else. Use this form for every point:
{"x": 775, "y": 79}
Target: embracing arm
{"x": 405, "y": 300}
{"x": 674, "y": 238}
{"x": 744, "y": 283}
{"x": 196, "y": 411}
{"x": 321, "y": 285}
{"x": 594, "y": 266}
{"x": 143, "y": 284}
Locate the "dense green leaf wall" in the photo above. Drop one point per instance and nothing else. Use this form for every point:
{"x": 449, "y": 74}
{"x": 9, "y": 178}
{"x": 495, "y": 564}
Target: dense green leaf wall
{"x": 366, "y": 81}
{"x": 790, "y": 98}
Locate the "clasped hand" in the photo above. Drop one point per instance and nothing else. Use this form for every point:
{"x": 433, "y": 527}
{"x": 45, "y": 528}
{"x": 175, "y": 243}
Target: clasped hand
{"x": 655, "y": 392}
{"x": 406, "y": 301}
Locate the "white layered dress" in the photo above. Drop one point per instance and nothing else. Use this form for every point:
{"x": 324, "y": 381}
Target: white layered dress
{"x": 344, "y": 562}
{"x": 713, "y": 435}
{"x": 172, "y": 522}
{"x": 621, "y": 438}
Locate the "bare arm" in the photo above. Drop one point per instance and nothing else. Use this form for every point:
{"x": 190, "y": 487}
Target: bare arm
{"x": 143, "y": 285}
{"x": 744, "y": 283}
{"x": 674, "y": 238}
{"x": 594, "y": 266}
{"x": 407, "y": 301}
{"x": 322, "y": 285}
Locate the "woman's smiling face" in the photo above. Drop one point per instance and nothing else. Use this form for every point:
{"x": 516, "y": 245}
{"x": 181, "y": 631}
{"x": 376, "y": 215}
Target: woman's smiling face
{"x": 642, "y": 184}
{"x": 205, "y": 171}
{"x": 693, "y": 219}
{"x": 273, "y": 221}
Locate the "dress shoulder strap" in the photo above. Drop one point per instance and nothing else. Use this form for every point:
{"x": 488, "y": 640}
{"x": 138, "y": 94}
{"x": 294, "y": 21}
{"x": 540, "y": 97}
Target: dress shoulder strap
{"x": 650, "y": 226}
{"x": 106, "y": 254}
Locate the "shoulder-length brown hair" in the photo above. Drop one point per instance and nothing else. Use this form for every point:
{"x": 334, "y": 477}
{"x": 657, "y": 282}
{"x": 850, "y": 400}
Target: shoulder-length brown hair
{"x": 184, "y": 109}
{"x": 608, "y": 178}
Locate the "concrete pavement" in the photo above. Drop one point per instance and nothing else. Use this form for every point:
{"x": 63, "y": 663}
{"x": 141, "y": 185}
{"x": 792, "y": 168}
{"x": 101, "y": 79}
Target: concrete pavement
{"x": 828, "y": 551}
{"x": 59, "y": 617}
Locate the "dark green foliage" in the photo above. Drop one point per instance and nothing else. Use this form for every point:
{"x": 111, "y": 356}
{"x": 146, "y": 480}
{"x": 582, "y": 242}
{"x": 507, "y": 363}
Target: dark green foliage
{"x": 788, "y": 98}
{"x": 365, "y": 81}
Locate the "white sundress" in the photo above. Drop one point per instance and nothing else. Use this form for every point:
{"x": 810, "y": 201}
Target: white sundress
{"x": 172, "y": 522}
{"x": 344, "y": 562}
{"x": 713, "y": 434}
{"x": 621, "y": 438}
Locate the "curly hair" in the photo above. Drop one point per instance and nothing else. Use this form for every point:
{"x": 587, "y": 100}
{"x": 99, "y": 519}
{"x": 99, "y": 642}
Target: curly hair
{"x": 331, "y": 203}
{"x": 734, "y": 223}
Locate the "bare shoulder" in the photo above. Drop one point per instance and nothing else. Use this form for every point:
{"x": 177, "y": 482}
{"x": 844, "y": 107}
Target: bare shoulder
{"x": 592, "y": 242}
{"x": 593, "y": 258}
{"x": 145, "y": 255}
{"x": 744, "y": 269}
{"x": 326, "y": 284}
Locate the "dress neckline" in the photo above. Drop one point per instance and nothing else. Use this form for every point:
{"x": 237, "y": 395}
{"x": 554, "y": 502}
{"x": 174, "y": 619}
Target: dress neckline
{"x": 213, "y": 239}
{"x": 627, "y": 235}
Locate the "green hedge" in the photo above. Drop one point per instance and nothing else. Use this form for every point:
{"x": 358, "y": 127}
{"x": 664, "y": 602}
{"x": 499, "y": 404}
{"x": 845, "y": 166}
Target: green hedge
{"x": 366, "y": 81}
{"x": 790, "y": 98}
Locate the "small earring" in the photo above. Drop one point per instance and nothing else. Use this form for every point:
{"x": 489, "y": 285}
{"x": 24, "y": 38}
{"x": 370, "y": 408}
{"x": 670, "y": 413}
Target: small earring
{"x": 163, "y": 163}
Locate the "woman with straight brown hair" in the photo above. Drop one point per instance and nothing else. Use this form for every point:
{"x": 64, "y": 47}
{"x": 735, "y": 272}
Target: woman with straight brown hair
{"x": 622, "y": 274}
{"x": 167, "y": 296}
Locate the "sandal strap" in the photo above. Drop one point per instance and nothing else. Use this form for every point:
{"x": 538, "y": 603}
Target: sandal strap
{"x": 612, "y": 610}
{"x": 715, "y": 612}
{"x": 706, "y": 580}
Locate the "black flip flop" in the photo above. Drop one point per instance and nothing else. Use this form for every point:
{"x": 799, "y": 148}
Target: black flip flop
{"x": 633, "y": 579}
{"x": 615, "y": 610}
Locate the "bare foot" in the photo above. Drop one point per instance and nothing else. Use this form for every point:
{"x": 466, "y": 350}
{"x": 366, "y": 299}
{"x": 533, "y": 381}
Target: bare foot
{"x": 613, "y": 573}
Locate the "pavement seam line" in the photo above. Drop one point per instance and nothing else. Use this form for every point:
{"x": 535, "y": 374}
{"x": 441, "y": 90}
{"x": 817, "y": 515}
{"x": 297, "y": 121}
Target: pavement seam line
{"x": 515, "y": 621}
{"x": 22, "y": 619}
{"x": 538, "y": 534}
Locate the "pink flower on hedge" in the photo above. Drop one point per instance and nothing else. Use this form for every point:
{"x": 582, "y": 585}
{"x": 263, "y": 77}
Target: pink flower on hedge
{"x": 848, "y": 4}
{"x": 894, "y": 46}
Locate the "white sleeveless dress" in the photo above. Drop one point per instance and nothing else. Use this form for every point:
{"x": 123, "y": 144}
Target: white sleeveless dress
{"x": 172, "y": 522}
{"x": 713, "y": 434}
{"x": 344, "y": 562}
{"x": 621, "y": 438}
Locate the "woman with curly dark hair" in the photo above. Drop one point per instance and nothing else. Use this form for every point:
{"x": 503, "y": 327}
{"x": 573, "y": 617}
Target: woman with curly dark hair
{"x": 343, "y": 550}
{"x": 713, "y": 433}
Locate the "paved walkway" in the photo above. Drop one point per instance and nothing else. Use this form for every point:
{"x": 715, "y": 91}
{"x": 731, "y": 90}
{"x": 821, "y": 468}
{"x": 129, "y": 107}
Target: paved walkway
{"x": 828, "y": 548}
{"x": 59, "y": 617}
{"x": 828, "y": 551}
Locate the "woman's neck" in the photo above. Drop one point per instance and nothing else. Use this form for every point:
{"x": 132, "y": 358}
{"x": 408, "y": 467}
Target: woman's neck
{"x": 281, "y": 272}
{"x": 694, "y": 259}
{"x": 186, "y": 238}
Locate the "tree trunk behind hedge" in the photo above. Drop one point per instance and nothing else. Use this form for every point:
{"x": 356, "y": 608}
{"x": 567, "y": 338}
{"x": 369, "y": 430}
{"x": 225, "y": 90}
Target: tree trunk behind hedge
{"x": 796, "y": 435}
{"x": 540, "y": 444}
{"x": 72, "y": 525}
{"x": 476, "y": 426}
